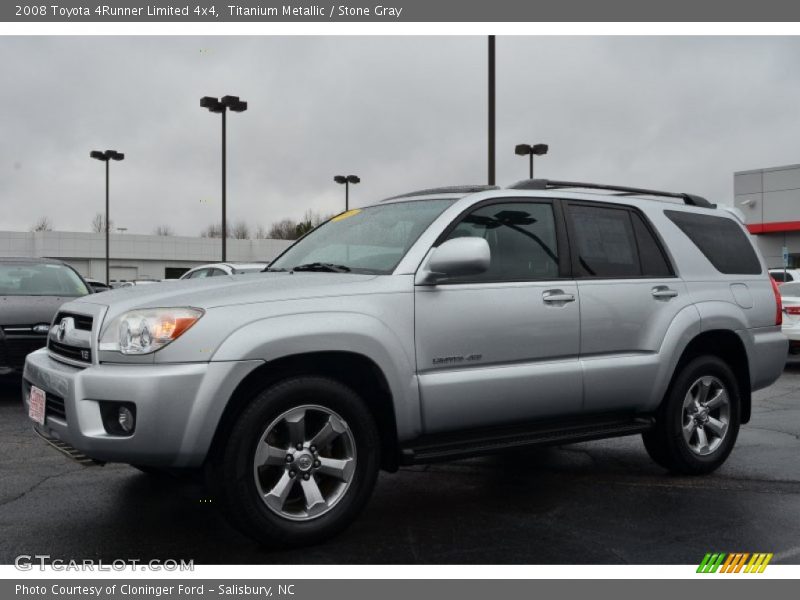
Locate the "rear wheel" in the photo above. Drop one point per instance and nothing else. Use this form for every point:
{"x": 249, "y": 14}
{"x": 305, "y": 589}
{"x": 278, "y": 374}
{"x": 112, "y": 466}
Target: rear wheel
{"x": 698, "y": 422}
{"x": 300, "y": 462}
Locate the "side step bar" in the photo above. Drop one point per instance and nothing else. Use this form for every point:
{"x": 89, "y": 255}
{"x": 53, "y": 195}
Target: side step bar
{"x": 68, "y": 450}
{"x": 452, "y": 447}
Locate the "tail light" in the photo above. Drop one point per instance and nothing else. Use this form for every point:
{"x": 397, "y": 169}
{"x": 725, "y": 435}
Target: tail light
{"x": 792, "y": 310}
{"x": 778, "y": 303}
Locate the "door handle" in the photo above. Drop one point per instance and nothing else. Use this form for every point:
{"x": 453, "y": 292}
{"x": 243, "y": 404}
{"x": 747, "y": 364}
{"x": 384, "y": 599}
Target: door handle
{"x": 556, "y": 296}
{"x": 663, "y": 292}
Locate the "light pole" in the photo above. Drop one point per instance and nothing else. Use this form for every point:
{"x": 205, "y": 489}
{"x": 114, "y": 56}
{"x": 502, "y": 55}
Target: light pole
{"x": 347, "y": 180}
{"x": 531, "y": 150}
{"x": 107, "y": 156}
{"x": 222, "y": 106}
{"x": 491, "y": 103}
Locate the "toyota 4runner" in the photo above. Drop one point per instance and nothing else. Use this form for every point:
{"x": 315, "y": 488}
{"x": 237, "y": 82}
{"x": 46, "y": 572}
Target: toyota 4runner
{"x": 432, "y": 326}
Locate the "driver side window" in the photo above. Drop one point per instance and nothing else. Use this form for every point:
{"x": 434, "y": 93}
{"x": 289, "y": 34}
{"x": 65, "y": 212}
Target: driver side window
{"x": 521, "y": 238}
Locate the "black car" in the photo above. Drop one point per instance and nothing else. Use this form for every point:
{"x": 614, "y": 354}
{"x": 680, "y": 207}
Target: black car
{"x": 31, "y": 291}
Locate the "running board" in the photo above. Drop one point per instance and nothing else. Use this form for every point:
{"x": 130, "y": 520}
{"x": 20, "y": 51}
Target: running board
{"x": 452, "y": 447}
{"x": 68, "y": 450}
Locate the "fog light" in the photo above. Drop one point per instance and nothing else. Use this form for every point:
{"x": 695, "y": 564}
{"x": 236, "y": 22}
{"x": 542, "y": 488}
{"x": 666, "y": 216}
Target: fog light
{"x": 126, "y": 419}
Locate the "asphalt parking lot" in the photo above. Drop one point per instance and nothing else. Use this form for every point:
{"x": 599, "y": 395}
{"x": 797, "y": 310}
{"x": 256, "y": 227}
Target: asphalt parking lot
{"x": 600, "y": 502}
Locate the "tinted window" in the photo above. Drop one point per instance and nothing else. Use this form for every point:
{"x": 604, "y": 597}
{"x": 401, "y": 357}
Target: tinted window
{"x": 521, "y": 237}
{"x": 778, "y": 276}
{"x": 606, "y": 243}
{"x": 721, "y": 240}
{"x": 651, "y": 256}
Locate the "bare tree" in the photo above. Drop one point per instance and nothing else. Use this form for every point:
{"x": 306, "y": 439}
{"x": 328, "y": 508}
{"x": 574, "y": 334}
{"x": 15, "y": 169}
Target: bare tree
{"x": 42, "y": 224}
{"x": 283, "y": 230}
{"x": 99, "y": 223}
{"x": 164, "y": 230}
{"x": 240, "y": 231}
{"x": 212, "y": 231}
{"x": 261, "y": 233}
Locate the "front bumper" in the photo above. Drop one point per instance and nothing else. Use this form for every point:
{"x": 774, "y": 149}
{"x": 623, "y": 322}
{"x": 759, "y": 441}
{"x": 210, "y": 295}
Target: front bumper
{"x": 178, "y": 406}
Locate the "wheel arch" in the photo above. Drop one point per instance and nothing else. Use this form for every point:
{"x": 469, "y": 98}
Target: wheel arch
{"x": 352, "y": 369}
{"x": 728, "y": 346}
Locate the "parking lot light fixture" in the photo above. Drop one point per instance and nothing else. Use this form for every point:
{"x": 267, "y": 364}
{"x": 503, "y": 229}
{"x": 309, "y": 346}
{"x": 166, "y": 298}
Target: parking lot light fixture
{"x": 107, "y": 156}
{"x": 347, "y": 180}
{"x": 222, "y": 106}
{"x": 531, "y": 150}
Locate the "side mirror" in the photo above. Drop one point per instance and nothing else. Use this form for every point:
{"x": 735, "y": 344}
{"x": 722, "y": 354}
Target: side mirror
{"x": 455, "y": 258}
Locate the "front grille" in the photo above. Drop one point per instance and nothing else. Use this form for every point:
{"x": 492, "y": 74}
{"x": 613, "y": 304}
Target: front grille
{"x": 54, "y": 407}
{"x": 76, "y": 353}
{"x": 14, "y": 349}
{"x": 82, "y": 322}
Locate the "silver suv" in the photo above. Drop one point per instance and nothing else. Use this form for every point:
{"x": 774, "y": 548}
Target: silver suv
{"x": 433, "y": 326}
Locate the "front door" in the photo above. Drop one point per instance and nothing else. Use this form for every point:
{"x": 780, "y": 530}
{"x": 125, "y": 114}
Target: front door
{"x": 502, "y": 347}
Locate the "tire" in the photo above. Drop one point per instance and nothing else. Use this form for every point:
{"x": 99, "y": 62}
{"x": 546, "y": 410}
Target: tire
{"x": 698, "y": 421}
{"x": 322, "y": 489}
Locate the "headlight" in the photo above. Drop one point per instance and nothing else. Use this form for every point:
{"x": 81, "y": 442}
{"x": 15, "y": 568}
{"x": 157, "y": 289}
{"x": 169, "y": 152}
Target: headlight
{"x": 145, "y": 331}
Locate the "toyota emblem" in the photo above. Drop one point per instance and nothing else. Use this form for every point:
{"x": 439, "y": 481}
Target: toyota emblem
{"x": 62, "y": 329}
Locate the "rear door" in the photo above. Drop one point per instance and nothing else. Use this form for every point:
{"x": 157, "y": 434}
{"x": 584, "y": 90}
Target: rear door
{"x": 629, "y": 297}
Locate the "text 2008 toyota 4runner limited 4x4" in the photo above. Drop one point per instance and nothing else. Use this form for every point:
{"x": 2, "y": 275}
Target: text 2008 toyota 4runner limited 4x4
{"x": 427, "y": 327}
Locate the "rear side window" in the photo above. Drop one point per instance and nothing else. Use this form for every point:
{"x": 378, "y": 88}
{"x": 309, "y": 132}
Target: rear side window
{"x": 654, "y": 263}
{"x": 720, "y": 240}
{"x": 605, "y": 242}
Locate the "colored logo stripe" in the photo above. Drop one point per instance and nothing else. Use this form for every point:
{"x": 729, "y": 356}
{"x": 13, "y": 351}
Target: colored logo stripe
{"x": 735, "y": 562}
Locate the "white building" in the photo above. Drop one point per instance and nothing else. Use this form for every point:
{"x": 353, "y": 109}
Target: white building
{"x": 770, "y": 201}
{"x": 134, "y": 256}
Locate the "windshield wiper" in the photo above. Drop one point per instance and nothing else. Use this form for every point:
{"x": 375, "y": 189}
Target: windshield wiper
{"x": 323, "y": 267}
{"x": 271, "y": 270}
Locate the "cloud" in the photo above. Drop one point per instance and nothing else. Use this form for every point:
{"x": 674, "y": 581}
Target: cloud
{"x": 401, "y": 112}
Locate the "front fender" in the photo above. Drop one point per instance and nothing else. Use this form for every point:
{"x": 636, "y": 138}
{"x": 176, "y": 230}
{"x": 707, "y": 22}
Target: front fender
{"x": 271, "y": 338}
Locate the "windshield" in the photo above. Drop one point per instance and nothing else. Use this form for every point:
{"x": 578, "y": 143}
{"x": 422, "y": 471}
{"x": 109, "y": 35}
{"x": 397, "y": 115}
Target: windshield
{"x": 363, "y": 240}
{"x": 40, "y": 280}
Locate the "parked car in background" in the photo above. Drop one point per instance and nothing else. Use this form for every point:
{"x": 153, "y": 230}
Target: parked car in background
{"x": 97, "y": 286}
{"x": 785, "y": 275}
{"x": 223, "y": 268}
{"x": 790, "y": 296}
{"x": 127, "y": 284}
{"x": 31, "y": 290}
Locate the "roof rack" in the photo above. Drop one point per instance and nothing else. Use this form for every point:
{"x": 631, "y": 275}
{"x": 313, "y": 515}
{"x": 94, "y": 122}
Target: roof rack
{"x": 547, "y": 184}
{"x": 452, "y": 189}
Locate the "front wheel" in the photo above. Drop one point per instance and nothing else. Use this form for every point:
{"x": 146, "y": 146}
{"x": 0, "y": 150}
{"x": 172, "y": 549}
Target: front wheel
{"x": 698, "y": 422}
{"x": 300, "y": 462}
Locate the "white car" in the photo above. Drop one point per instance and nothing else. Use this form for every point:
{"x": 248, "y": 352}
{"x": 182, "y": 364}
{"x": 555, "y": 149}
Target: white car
{"x": 790, "y": 295}
{"x": 785, "y": 275}
{"x": 215, "y": 269}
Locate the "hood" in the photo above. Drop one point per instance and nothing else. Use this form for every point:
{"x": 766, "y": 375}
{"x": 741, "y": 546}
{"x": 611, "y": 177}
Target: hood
{"x": 30, "y": 310}
{"x": 233, "y": 289}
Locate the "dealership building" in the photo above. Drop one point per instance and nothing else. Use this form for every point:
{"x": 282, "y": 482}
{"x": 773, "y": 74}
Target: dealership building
{"x": 770, "y": 201}
{"x": 134, "y": 256}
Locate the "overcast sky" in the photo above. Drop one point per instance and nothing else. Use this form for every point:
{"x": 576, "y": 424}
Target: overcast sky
{"x": 401, "y": 112}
